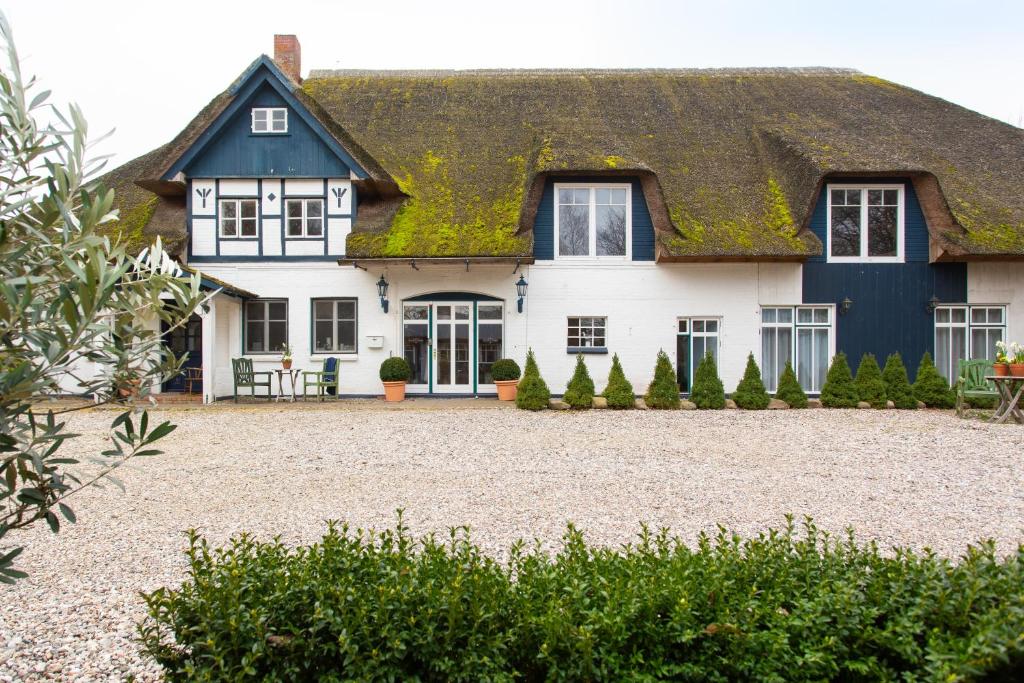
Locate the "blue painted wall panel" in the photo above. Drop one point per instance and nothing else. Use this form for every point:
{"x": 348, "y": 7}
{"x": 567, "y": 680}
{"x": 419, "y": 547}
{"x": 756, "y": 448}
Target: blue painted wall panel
{"x": 544, "y": 223}
{"x": 237, "y": 152}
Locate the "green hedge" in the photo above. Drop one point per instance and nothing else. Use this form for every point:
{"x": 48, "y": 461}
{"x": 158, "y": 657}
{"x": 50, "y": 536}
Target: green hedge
{"x": 619, "y": 391}
{"x": 930, "y": 387}
{"x": 532, "y": 392}
{"x": 789, "y": 389}
{"x": 870, "y": 387}
{"x": 707, "y": 393}
{"x": 395, "y": 369}
{"x": 750, "y": 393}
{"x": 839, "y": 390}
{"x": 579, "y": 393}
{"x": 793, "y": 605}
{"x": 663, "y": 392}
{"x": 897, "y": 385}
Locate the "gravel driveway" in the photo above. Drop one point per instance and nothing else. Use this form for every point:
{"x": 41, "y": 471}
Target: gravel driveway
{"x": 919, "y": 479}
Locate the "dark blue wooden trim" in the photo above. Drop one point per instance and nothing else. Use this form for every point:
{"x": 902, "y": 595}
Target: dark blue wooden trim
{"x": 259, "y": 213}
{"x": 587, "y": 350}
{"x": 265, "y": 259}
{"x": 216, "y": 215}
{"x": 452, "y": 296}
{"x": 247, "y": 86}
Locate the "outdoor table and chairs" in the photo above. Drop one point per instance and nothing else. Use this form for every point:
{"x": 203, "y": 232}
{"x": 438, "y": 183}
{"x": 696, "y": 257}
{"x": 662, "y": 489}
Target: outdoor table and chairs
{"x": 1010, "y": 390}
{"x": 293, "y": 377}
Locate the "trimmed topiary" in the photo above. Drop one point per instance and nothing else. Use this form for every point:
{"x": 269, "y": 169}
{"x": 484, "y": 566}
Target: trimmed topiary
{"x": 505, "y": 370}
{"x": 663, "y": 392}
{"x": 579, "y": 393}
{"x": 394, "y": 369}
{"x": 619, "y": 392}
{"x": 897, "y": 385}
{"x": 790, "y": 390}
{"x": 839, "y": 390}
{"x": 931, "y": 388}
{"x": 533, "y": 393}
{"x": 750, "y": 393}
{"x": 708, "y": 392}
{"x": 870, "y": 387}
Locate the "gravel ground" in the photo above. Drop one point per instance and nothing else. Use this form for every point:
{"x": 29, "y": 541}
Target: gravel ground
{"x": 918, "y": 479}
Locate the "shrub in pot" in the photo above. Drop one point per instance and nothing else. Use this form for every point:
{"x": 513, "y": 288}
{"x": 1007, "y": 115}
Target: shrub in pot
{"x": 789, "y": 389}
{"x": 663, "y": 392}
{"x": 870, "y": 387}
{"x": 619, "y": 392}
{"x": 708, "y": 393}
{"x": 505, "y": 373}
{"x": 533, "y": 392}
{"x": 394, "y": 373}
{"x": 839, "y": 390}
{"x": 579, "y": 393}
{"x": 931, "y": 388}
{"x": 897, "y": 384}
{"x": 750, "y": 393}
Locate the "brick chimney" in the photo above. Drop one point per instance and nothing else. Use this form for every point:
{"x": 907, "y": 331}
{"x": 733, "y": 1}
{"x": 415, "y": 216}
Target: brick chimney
{"x": 288, "y": 55}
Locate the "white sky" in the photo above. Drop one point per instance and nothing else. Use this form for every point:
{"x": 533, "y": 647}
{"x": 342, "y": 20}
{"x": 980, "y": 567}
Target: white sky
{"x": 145, "y": 68}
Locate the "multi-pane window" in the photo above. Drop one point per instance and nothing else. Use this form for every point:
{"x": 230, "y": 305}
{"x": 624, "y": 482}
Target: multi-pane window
{"x": 587, "y": 333}
{"x": 334, "y": 326}
{"x": 865, "y": 223}
{"x": 237, "y": 218}
{"x": 695, "y": 338}
{"x": 592, "y": 221}
{"x": 416, "y": 336}
{"x": 269, "y": 120}
{"x": 305, "y": 217}
{"x": 963, "y": 332}
{"x": 801, "y": 332}
{"x": 489, "y": 340}
{"x": 266, "y": 325}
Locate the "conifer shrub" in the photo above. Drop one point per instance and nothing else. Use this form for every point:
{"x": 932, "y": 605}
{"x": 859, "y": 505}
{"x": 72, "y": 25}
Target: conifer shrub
{"x": 839, "y": 390}
{"x": 750, "y": 393}
{"x": 789, "y": 605}
{"x": 533, "y": 392}
{"x": 619, "y": 392}
{"x": 870, "y": 387}
{"x": 707, "y": 392}
{"x": 789, "y": 389}
{"x": 931, "y": 388}
{"x": 663, "y": 392}
{"x": 579, "y": 393}
{"x": 897, "y": 385}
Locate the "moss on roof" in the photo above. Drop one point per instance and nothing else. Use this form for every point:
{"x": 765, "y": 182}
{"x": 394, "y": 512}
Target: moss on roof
{"x": 739, "y": 155}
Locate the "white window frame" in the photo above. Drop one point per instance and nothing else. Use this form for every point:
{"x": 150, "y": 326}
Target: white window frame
{"x": 592, "y": 215}
{"x": 239, "y": 235}
{"x": 795, "y": 325}
{"x": 968, "y": 326}
{"x": 336, "y": 321}
{"x": 305, "y": 201}
{"x": 269, "y": 125}
{"x": 901, "y": 209}
{"x": 603, "y": 348}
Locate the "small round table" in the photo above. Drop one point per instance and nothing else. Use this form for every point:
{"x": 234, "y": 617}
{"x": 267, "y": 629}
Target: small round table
{"x": 1010, "y": 390}
{"x": 293, "y": 377}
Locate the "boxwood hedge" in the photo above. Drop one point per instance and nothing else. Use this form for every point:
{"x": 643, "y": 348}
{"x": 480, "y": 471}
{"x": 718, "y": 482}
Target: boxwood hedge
{"x": 788, "y": 605}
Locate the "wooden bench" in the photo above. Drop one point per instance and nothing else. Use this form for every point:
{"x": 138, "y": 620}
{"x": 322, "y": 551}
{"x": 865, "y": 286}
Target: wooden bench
{"x": 971, "y": 383}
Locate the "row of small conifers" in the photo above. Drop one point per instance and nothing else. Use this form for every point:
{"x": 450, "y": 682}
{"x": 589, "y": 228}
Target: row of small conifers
{"x": 871, "y": 387}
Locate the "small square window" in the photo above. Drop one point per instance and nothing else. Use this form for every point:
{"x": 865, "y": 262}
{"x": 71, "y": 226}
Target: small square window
{"x": 239, "y": 218}
{"x": 586, "y": 333}
{"x": 269, "y": 120}
{"x": 305, "y": 217}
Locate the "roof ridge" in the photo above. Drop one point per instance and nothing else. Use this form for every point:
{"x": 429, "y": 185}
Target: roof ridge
{"x": 715, "y": 72}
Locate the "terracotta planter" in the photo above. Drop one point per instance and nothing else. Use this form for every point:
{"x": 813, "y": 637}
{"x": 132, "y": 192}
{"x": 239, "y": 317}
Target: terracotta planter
{"x": 1017, "y": 369}
{"x": 129, "y": 388}
{"x": 394, "y": 391}
{"x": 287, "y": 364}
{"x": 507, "y": 389}
{"x": 1001, "y": 369}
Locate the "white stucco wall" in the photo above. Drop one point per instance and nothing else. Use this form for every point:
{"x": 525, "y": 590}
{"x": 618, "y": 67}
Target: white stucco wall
{"x": 999, "y": 283}
{"x": 642, "y": 302}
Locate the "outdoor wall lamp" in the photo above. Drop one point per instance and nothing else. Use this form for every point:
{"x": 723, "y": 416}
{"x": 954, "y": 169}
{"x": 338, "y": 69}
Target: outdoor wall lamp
{"x": 845, "y": 305}
{"x": 933, "y": 303}
{"x": 382, "y": 290}
{"x": 521, "y": 291}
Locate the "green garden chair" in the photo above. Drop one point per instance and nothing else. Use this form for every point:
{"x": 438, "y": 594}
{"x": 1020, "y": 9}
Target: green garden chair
{"x": 325, "y": 380}
{"x": 971, "y": 383}
{"x": 244, "y": 376}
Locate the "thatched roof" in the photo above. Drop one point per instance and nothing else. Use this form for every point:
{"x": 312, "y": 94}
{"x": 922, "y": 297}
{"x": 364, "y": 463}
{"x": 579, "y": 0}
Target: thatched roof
{"x": 731, "y": 161}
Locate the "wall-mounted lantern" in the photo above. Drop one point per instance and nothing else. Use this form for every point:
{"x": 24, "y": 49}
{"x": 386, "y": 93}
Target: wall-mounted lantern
{"x": 382, "y": 290}
{"x": 933, "y": 303}
{"x": 521, "y": 291}
{"x": 845, "y": 305}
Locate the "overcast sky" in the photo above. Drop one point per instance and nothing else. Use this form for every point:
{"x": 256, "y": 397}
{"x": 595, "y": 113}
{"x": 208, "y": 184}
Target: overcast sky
{"x": 146, "y": 68}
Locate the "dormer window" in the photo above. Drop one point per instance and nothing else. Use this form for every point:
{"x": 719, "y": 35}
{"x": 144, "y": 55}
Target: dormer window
{"x": 865, "y": 223}
{"x": 269, "y": 120}
{"x": 592, "y": 220}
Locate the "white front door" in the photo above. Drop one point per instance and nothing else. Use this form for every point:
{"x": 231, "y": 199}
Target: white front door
{"x": 452, "y": 355}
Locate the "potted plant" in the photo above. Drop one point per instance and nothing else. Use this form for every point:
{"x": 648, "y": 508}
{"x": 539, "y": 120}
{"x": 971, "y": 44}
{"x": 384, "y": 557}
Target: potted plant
{"x": 1016, "y": 359}
{"x": 394, "y": 373}
{"x": 506, "y": 377}
{"x": 286, "y": 356}
{"x": 127, "y": 383}
{"x": 1001, "y": 366}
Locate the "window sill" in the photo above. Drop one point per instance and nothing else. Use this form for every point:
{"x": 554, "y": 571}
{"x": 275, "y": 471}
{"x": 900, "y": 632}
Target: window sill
{"x": 346, "y": 356}
{"x": 587, "y": 350}
{"x": 270, "y": 135}
{"x": 868, "y": 259}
